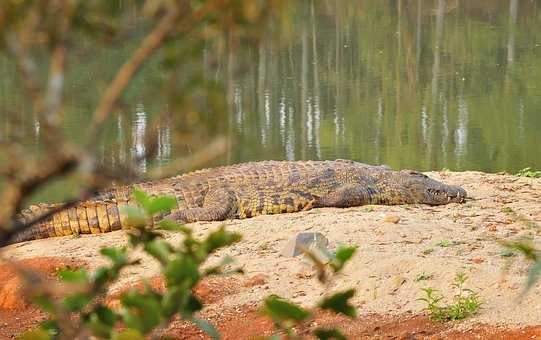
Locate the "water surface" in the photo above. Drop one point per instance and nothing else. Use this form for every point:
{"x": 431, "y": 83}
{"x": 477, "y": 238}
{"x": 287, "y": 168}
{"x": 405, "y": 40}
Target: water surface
{"x": 413, "y": 84}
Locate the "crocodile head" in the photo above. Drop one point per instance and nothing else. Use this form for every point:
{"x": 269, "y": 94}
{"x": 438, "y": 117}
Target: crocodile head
{"x": 423, "y": 189}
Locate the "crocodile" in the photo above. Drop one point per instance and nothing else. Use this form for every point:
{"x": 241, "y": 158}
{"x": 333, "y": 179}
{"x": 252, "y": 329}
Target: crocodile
{"x": 246, "y": 190}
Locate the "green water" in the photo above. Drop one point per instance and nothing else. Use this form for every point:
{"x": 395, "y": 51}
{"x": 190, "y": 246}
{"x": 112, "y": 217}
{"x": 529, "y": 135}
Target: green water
{"x": 413, "y": 84}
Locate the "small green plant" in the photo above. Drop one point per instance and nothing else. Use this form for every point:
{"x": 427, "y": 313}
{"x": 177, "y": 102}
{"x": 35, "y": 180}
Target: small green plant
{"x": 445, "y": 243}
{"x": 145, "y": 314}
{"x": 529, "y": 172}
{"x": 465, "y": 302}
{"x": 423, "y": 277}
{"x": 427, "y": 251}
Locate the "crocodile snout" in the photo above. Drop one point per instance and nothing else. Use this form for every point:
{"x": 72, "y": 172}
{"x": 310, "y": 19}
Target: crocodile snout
{"x": 456, "y": 194}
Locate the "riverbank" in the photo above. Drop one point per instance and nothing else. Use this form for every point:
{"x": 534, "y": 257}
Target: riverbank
{"x": 402, "y": 249}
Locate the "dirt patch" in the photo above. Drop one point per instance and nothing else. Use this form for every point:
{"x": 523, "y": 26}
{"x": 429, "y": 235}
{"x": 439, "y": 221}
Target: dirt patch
{"x": 246, "y": 322}
{"x": 11, "y": 295}
{"x": 209, "y": 290}
{"x": 17, "y": 314}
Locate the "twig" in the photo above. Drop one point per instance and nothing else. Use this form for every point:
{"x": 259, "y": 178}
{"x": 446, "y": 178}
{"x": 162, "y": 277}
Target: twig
{"x": 203, "y": 156}
{"x": 16, "y": 190}
{"x": 130, "y": 68}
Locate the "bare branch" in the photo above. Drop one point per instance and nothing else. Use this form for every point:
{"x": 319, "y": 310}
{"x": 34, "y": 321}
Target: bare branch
{"x": 122, "y": 79}
{"x": 16, "y": 190}
{"x": 55, "y": 84}
{"x": 202, "y": 157}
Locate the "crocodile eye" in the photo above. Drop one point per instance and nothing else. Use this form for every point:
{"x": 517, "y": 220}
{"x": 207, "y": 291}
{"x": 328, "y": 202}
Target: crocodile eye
{"x": 415, "y": 173}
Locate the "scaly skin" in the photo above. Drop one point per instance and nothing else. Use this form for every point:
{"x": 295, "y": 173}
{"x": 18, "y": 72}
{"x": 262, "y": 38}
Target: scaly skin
{"x": 251, "y": 189}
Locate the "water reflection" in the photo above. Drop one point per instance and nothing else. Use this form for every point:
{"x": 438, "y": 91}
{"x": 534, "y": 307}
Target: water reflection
{"x": 411, "y": 84}
{"x": 420, "y": 84}
{"x": 139, "y": 126}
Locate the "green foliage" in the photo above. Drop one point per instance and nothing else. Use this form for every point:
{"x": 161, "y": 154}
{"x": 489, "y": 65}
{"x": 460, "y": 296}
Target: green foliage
{"x": 343, "y": 254}
{"x": 283, "y": 311}
{"x": 339, "y": 303}
{"x": 286, "y": 315}
{"x": 143, "y": 312}
{"x": 465, "y": 302}
{"x": 507, "y": 253}
{"x": 529, "y": 172}
{"x": 37, "y": 334}
{"x": 328, "y": 334}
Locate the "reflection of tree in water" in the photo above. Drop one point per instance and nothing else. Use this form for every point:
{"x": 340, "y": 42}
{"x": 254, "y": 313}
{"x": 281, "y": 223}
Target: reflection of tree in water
{"x": 419, "y": 84}
{"x": 412, "y": 84}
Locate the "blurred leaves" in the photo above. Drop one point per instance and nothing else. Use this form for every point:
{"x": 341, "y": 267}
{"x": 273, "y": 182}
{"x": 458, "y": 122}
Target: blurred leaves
{"x": 527, "y": 248}
{"x": 282, "y": 310}
{"x": 328, "y": 334}
{"x": 339, "y": 303}
{"x": 343, "y": 254}
{"x": 142, "y": 311}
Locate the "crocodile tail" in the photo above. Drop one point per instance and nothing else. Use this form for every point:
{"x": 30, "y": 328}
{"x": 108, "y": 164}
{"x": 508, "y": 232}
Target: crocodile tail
{"x": 88, "y": 217}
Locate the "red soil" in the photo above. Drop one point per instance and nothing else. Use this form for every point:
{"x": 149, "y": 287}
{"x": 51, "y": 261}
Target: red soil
{"x": 239, "y": 321}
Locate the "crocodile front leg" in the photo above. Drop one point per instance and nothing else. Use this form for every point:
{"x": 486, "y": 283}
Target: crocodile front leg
{"x": 348, "y": 195}
{"x": 218, "y": 205}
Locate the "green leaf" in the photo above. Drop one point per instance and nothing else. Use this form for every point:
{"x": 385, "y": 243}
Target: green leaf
{"x": 128, "y": 334}
{"x": 282, "y": 310}
{"x": 44, "y": 302}
{"x": 75, "y": 276}
{"x": 192, "y": 305}
{"x": 142, "y": 311}
{"x": 161, "y": 204}
{"x": 76, "y": 301}
{"x": 343, "y": 254}
{"x": 50, "y": 326}
{"x": 172, "y": 299}
{"x": 339, "y": 303}
{"x": 102, "y": 276}
{"x": 533, "y": 275}
{"x": 116, "y": 255}
{"x": 101, "y": 321}
{"x": 170, "y": 225}
{"x": 136, "y": 216}
{"x": 141, "y": 197}
{"x": 220, "y": 238}
{"x": 325, "y": 334}
{"x": 218, "y": 269}
{"x": 207, "y": 327}
{"x": 160, "y": 250}
{"x": 181, "y": 270}
{"x": 36, "y": 334}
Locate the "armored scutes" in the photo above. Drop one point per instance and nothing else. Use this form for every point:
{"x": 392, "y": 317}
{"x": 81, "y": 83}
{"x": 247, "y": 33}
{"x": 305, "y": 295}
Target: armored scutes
{"x": 251, "y": 189}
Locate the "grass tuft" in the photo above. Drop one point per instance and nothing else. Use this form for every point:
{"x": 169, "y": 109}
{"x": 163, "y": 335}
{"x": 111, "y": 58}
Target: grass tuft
{"x": 465, "y": 303}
